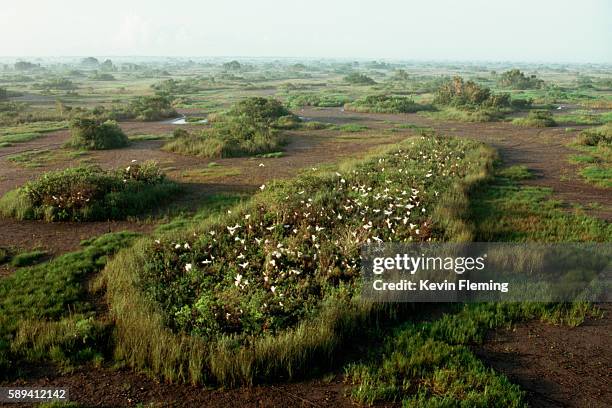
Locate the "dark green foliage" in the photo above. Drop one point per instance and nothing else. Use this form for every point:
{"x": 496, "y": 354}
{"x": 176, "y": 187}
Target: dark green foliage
{"x": 515, "y": 79}
{"x": 89, "y": 193}
{"x": 149, "y": 108}
{"x": 232, "y": 66}
{"x": 25, "y": 66}
{"x": 248, "y": 128}
{"x": 3, "y": 94}
{"x": 359, "y": 79}
{"x": 258, "y": 110}
{"x": 386, "y": 104}
{"x": 92, "y": 134}
{"x": 102, "y": 76}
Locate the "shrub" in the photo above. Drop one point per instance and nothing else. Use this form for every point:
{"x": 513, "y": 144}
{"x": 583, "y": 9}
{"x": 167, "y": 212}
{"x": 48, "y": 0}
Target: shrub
{"x": 536, "y": 118}
{"x": 515, "y": 79}
{"x": 92, "y": 134}
{"x": 149, "y": 108}
{"x": 3, "y": 94}
{"x": 459, "y": 93}
{"x": 250, "y": 127}
{"x": 319, "y": 100}
{"x": 89, "y": 193}
{"x": 386, "y": 104}
{"x": 601, "y": 135}
{"x": 359, "y": 79}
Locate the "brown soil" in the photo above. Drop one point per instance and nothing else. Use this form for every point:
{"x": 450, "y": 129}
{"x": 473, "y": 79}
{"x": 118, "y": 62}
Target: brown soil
{"x": 101, "y": 387}
{"x": 557, "y": 366}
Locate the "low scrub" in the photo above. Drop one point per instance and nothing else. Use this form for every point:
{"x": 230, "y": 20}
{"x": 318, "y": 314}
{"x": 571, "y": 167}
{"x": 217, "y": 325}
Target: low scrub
{"x": 386, "y": 104}
{"x": 359, "y": 79}
{"x": 298, "y": 100}
{"x": 89, "y": 193}
{"x": 536, "y": 118}
{"x": 468, "y": 94}
{"x": 92, "y": 134}
{"x": 250, "y": 127}
{"x": 601, "y": 135}
{"x": 271, "y": 289}
{"x": 515, "y": 79}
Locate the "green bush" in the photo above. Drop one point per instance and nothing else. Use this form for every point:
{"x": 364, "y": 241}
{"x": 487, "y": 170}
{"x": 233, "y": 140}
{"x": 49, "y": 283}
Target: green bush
{"x": 458, "y": 93}
{"x": 250, "y": 127}
{"x": 92, "y": 134}
{"x": 386, "y": 104}
{"x": 536, "y": 118}
{"x": 359, "y": 79}
{"x": 601, "y": 135}
{"x": 150, "y": 108}
{"x": 298, "y": 100}
{"x": 515, "y": 79}
{"x": 89, "y": 193}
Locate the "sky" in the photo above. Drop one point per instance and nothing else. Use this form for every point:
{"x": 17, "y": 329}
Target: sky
{"x": 443, "y": 30}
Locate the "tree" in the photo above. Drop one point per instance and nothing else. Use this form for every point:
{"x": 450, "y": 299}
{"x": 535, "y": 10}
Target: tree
{"x": 359, "y": 79}
{"x": 232, "y": 66}
{"x": 90, "y": 62}
{"x": 515, "y": 79}
{"x": 25, "y": 66}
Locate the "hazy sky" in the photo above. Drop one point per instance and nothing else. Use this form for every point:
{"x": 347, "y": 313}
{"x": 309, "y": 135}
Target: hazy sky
{"x": 519, "y": 30}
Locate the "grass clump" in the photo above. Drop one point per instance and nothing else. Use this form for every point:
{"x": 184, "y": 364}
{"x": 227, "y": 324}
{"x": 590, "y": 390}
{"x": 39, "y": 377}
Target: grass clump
{"x": 89, "y": 193}
{"x": 357, "y": 78}
{"x": 28, "y": 258}
{"x": 44, "y": 309}
{"x": 536, "y": 118}
{"x": 249, "y": 128}
{"x": 298, "y": 100}
{"x": 386, "y": 104}
{"x": 597, "y": 143}
{"x": 92, "y": 134}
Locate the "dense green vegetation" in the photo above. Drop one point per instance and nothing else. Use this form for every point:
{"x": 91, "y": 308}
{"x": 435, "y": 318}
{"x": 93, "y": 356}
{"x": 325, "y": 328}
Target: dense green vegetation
{"x": 515, "y": 79}
{"x": 92, "y": 134}
{"x": 89, "y": 193}
{"x": 596, "y": 144}
{"x": 250, "y": 127}
{"x": 359, "y": 79}
{"x": 243, "y": 324}
{"x": 386, "y": 104}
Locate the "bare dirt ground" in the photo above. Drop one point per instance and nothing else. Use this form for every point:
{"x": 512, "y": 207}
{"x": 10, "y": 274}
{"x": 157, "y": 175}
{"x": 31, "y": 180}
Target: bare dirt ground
{"x": 118, "y": 388}
{"x": 557, "y": 366}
